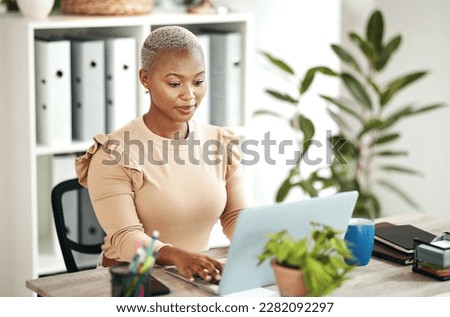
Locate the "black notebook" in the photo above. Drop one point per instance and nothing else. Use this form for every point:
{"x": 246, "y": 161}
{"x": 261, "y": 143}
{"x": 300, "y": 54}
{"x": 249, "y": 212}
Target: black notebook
{"x": 401, "y": 237}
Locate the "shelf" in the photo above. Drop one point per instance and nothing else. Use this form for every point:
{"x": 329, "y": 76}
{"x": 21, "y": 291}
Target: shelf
{"x": 31, "y": 169}
{"x": 60, "y": 21}
{"x": 63, "y": 149}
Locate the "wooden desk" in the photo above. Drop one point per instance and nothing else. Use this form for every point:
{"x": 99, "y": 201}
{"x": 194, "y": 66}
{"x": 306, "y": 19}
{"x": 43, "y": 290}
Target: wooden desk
{"x": 97, "y": 282}
{"x": 378, "y": 278}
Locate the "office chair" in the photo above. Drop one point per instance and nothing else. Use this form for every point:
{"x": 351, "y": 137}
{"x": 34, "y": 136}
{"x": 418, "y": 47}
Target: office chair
{"x": 79, "y": 233}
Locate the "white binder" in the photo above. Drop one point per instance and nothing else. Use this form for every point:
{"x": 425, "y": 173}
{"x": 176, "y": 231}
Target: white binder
{"x": 225, "y": 90}
{"x": 202, "y": 114}
{"x": 53, "y": 92}
{"x": 121, "y": 82}
{"x": 88, "y": 88}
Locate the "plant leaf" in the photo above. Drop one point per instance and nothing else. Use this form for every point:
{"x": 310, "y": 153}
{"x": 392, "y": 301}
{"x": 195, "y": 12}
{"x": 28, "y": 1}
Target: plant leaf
{"x": 357, "y": 90}
{"x": 284, "y": 189}
{"x": 346, "y": 57}
{"x": 279, "y": 63}
{"x": 267, "y": 112}
{"x": 387, "y": 138}
{"x": 391, "y": 153}
{"x": 307, "y": 127}
{"x": 397, "y": 84}
{"x": 370, "y": 125}
{"x": 372, "y": 84}
{"x": 307, "y": 187}
{"x": 341, "y": 105}
{"x": 343, "y": 148}
{"x": 365, "y": 46}
{"x": 400, "y": 169}
{"x": 427, "y": 108}
{"x": 374, "y": 31}
{"x": 282, "y": 96}
{"x": 393, "y": 118}
{"x": 309, "y": 77}
{"x": 342, "y": 124}
{"x": 399, "y": 192}
{"x": 387, "y": 52}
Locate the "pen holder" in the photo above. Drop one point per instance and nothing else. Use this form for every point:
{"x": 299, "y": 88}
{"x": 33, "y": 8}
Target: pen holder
{"x": 129, "y": 284}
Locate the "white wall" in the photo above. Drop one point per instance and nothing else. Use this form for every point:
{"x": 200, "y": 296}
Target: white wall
{"x": 300, "y": 32}
{"x": 425, "y": 28}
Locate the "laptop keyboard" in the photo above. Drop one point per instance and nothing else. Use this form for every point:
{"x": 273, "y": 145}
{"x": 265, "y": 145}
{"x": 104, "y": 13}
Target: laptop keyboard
{"x": 212, "y": 281}
{"x": 197, "y": 278}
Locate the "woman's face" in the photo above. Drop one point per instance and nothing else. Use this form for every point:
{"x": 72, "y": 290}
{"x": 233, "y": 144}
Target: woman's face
{"x": 176, "y": 84}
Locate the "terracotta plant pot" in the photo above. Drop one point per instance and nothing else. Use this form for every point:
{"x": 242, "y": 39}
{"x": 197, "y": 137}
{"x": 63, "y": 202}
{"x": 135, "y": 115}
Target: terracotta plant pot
{"x": 290, "y": 280}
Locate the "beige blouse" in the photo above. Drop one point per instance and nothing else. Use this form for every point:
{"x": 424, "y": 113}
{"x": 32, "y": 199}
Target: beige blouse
{"x": 139, "y": 182}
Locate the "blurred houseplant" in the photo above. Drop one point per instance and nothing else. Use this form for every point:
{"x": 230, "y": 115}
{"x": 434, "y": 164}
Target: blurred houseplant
{"x": 366, "y": 121}
{"x": 319, "y": 261}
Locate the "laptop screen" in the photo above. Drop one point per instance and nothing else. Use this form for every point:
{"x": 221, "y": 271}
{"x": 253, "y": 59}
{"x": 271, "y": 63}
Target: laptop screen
{"x": 242, "y": 271}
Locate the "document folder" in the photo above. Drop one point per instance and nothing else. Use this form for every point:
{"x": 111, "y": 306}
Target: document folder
{"x": 88, "y": 88}
{"x": 53, "y": 92}
{"x": 225, "y": 50}
{"x": 121, "y": 82}
{"x": 202, "y": 114}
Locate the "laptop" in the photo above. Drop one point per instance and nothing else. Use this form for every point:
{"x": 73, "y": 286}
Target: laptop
{"x": 241, "y": 271}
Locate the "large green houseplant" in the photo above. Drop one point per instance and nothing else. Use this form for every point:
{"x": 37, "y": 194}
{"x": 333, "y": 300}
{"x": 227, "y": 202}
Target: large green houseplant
{"x": 320, "y": 257}
{"x": 366, "y": 118}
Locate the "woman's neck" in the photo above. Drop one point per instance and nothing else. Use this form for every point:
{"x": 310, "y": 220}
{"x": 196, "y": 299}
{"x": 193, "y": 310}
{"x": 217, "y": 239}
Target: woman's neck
{"x": 174, "y": 130}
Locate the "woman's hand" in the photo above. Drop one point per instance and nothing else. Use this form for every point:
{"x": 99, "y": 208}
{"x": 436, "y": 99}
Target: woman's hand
{"x": 190, "y": 264}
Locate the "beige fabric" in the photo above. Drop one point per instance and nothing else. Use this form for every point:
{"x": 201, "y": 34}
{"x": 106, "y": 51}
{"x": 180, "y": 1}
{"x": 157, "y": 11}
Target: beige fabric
{"x": 182, "y": 197}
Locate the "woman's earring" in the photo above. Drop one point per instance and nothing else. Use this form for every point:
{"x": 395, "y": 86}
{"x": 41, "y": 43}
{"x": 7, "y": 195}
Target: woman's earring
{"x": 146, "y": 89}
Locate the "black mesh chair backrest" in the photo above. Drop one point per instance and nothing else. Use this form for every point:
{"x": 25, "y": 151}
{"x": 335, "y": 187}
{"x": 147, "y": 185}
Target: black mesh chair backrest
{"x": 79, "y": 233}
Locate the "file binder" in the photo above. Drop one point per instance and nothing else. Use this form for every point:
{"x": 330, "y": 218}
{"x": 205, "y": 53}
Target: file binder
{"x": 53, "y": 92}
{"x": 225, "y": 50}
{"x": 88, "y": 88}
{"x": 202, "y": 113}
{"x": 121, "y": 82}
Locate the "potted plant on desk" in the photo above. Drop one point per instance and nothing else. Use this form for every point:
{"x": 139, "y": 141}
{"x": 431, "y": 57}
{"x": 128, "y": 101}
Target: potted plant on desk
{"x": 311, "y": 266}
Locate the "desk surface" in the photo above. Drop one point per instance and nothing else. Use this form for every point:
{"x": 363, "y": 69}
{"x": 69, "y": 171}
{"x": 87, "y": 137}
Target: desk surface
{"x": 378, "y": 278}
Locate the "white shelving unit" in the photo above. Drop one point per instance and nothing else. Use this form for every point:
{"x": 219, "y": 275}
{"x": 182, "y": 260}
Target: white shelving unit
{"x": 27, "y": 244}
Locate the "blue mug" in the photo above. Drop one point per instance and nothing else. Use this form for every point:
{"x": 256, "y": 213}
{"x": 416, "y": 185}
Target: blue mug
{"x": 359, "y": 238}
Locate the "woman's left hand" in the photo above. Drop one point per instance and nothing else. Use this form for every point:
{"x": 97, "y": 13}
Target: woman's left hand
{"x": 190, "y": 264}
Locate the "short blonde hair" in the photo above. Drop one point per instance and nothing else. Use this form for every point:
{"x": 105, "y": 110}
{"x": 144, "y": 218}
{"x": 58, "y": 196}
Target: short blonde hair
{"x": 166, "y": 38}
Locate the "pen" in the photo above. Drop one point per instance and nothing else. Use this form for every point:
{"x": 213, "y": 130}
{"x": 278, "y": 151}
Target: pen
{"x": 134, "y": 265}
{"x": 155, "y": 236}
{"x": 148, "y": 262}
{"x": 146, "y": 265}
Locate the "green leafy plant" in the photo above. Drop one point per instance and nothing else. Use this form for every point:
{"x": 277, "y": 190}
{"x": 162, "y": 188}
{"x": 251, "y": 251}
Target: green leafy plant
{"x": 366, "y": 118}
{"x": 321, "y": 257}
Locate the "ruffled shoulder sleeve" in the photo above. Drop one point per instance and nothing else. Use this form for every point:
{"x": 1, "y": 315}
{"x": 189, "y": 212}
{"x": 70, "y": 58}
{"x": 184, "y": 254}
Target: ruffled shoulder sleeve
{"x": 233, "y": 153}
{"x": 113, "y": 153}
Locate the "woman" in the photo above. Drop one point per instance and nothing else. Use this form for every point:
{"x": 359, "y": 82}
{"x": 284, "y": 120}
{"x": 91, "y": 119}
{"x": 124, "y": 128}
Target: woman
{"x": 162, "y": 171}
